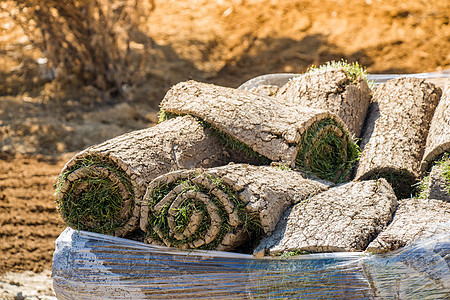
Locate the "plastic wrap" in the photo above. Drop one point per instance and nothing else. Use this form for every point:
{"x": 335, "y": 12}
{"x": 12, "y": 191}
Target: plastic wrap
{"x": 94, "y": 266}
{"x": 420, "y": 271}
{"x": 439, "y": 78}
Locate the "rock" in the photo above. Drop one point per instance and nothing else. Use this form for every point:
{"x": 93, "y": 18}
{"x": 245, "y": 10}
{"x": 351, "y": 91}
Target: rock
{"x": 19, "y": 296}
{"x": 344, "y": 218}
{"x": 414, "y": 219}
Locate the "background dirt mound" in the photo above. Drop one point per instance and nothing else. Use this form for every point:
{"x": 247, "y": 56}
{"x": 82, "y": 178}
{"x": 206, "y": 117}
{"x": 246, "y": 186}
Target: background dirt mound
{"x": 42, "y": 121}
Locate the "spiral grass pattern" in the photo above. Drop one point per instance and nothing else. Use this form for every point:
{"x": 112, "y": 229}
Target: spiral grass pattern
{"x": 327, "y": 151}
{"x": 193, "y": 210}
{"x": 95, "y": 195}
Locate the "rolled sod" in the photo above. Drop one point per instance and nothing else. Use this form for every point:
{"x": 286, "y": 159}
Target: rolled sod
{"x": 220, "y": 208}
{"x": 393, "y": 141}
{"x": 338, "y": 87}
{"x": 312, "y": 140}
{"x": 414, "y": 219}
{"x": 344, "y": 218}
{"x": 438, "y": 139}
{"x": 100, "y": 189}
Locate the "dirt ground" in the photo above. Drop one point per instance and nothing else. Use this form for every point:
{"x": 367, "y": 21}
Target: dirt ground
{"x": 43, "y": 123}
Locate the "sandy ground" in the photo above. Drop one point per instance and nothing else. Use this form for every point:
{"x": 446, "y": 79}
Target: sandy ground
{"x": 42, "y": 124}
{"x": 27, "y": 285}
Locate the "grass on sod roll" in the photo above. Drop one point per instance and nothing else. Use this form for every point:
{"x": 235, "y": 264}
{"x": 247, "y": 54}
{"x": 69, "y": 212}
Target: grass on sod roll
{"x": 289, "y": 254}
{"x": 422, "y": 188}
{"x": 250, "y": 220}
{"x": 353, "y": 70}
{"x": 445, "y": 165}
{"x": 164, "y": 115}
{"x": 444, "y": 162}
{"x": 327, "y": 156}
{"x": 98, "y": 205}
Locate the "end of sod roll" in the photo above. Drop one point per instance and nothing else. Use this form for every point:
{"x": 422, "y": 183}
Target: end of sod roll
{"x": 326, "y": 150}
{"x": 95, "y": 194}
{"x": 190, "y": 209}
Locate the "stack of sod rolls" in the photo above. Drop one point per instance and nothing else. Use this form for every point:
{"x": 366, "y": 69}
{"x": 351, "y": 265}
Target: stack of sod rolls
{"x": 313, "y": 140}
{"x": 405, "y": 113}
{"x": 429, "y": 213}
{"x": 224, "y": 165}
{"x": 220, "y": 208}
{"x": 100, "y": 189}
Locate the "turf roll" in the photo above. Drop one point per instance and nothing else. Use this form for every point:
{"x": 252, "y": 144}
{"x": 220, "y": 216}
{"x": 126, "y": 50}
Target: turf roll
{"x": 100, "y": 189}
{"x": 344, "y": 218}
{"x": 338, "y": 87}
{"x": 396, "y": 129}
{"x": 312, "y": 140}
{"x": 414, "y": 219}
{"x": 221, "y": 208}
{"x": 438, "y": 139}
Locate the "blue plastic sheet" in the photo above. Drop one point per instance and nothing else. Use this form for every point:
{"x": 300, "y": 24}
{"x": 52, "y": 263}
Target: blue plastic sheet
{"x": 94, "y": 266}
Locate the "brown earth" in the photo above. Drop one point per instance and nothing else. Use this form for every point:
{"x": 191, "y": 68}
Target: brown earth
{"x": 225, "y": 42}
